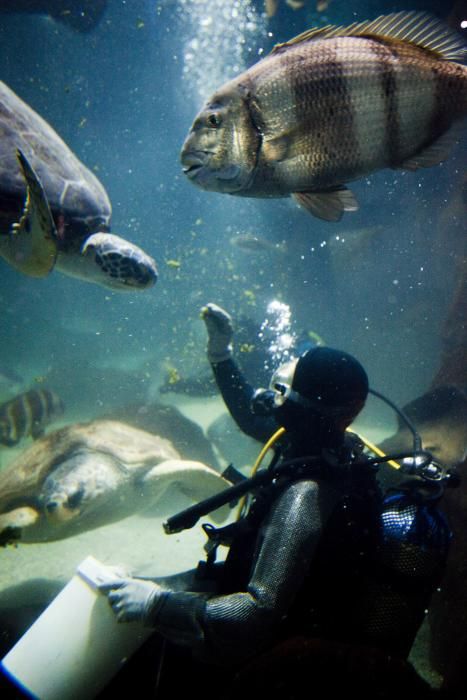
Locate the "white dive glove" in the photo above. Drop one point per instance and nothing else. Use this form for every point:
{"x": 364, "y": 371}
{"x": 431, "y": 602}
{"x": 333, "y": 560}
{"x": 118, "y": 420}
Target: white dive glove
{"x": 133, "y": 599}
{"x": 220, "y": 332}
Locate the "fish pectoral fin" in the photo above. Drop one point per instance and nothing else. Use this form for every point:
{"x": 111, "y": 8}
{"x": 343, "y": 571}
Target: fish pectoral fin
{"x": 329, "y": 205}
{"x": 435, "y": 153}
{"x": 275, "y": 150}
{"x": 32, "y": 244}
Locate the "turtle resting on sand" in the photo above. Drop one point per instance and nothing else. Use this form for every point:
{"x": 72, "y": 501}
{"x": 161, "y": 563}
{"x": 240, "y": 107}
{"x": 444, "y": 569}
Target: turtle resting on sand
{"x": 64, "y": 220}
{"x": 86, "y": 475}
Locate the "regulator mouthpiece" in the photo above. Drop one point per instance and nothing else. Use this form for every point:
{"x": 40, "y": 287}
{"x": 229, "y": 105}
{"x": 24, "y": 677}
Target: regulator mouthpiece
{"x": 263, "y": 402}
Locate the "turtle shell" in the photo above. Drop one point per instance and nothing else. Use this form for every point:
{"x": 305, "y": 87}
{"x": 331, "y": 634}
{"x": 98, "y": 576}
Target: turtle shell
{"x": 136, "y": 450}
{"x": 78, "y": 200}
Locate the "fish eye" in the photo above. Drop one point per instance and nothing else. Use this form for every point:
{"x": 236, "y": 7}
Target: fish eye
{"x": 214, "y": 120}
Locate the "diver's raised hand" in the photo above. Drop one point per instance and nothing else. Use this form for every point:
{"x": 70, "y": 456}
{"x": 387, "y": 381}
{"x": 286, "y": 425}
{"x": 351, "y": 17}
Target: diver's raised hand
{"x": 133, "y": 599}
{"x": 220, "y": 332}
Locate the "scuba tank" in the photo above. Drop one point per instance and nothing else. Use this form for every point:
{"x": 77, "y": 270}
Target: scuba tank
{"x": 414, "y": 539}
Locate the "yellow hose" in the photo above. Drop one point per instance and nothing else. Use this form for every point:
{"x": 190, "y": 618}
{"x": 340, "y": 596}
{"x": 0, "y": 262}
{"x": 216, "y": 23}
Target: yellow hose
{"x": 269, "y": 444}
{"x": 376, "y": 450}
{"x": 257, "y": 464}
{"x": 278, "y": 434}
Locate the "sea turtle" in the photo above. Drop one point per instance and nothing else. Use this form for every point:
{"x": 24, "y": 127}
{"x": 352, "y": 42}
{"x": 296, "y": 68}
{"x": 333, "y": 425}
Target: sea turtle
{"x": 86, "y": 475}
{"x": 65, "y": 219}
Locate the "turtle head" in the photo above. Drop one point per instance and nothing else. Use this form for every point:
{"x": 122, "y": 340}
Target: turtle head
{"x": 64, "y": 499}
{"x": 75, "y": 494}
{"x": 62, "y": 506}
{"x": 115, "y": 263}
{"x": 111, "y": 262}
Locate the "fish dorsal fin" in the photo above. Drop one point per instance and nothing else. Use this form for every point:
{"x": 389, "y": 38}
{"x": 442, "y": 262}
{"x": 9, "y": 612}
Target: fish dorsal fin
{"x": 419, "y": 28}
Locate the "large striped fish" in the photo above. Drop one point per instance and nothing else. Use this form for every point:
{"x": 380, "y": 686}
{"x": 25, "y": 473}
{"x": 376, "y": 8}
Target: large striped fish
{"x": 27, "y": 415}
{"x": 331, "y": 106}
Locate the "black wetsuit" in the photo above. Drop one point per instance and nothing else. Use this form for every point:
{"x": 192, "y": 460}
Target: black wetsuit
{"x": 324, "y": 583}
{"x": 312, "y": 557}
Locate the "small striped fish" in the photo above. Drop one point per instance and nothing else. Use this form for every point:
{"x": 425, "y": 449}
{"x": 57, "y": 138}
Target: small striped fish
{"x": 331, "y": 106}
{"x": 27, "y": 415}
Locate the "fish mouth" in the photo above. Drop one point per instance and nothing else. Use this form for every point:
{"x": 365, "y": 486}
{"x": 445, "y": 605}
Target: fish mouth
{"x": 192, "y": 170}
{"x": 193, "y": 162}
{"x": 199, "y": 169}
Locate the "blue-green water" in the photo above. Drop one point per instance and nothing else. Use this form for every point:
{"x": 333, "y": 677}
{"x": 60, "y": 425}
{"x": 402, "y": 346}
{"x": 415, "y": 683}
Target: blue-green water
{"x": 123, "y": 98}
{"x": 378, "y": 284}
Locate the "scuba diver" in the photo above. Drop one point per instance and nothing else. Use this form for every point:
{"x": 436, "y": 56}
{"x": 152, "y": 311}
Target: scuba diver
{"x": 322, "y": 572}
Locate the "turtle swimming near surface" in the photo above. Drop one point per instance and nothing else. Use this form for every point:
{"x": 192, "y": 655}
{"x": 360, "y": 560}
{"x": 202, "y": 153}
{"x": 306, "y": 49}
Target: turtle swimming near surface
{"x": 86, "y": 475}
{"x": 64, "y": 222}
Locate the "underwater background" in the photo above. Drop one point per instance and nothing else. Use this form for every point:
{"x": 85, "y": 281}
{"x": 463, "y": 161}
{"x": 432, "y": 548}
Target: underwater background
{"x": 380, "y": 283}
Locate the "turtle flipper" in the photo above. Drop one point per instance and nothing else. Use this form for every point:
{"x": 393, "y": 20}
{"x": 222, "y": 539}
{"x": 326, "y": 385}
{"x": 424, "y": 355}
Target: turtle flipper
{"x": 115, "y": 263}
{"x": 193, "y": 479}
{"x": 31, "y": 246}
{"x": 13, "y": 522}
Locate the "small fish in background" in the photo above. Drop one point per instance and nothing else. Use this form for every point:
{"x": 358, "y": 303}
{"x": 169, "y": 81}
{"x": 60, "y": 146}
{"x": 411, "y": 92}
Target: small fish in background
{"x": 172, "y": 376}
{"x": 27, "y": 415}
{"x": 295, "y": 4}
{"x": 174, "y": 264}
{"x": 330, "y": 106}
{"x": 307, "y": 340}
{"x": 270, "y": 6}
{"x": 322, "y": 5}
{"x": 198, "y": 386}
{"x": 256, "y": 244}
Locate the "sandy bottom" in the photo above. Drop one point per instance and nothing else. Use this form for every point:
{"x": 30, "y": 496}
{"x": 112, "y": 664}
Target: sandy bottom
{"x": 139, "y": 542}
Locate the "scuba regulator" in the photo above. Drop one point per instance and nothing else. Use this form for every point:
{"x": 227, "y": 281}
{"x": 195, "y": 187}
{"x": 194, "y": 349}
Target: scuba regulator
{"x": 417, "y": 462}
